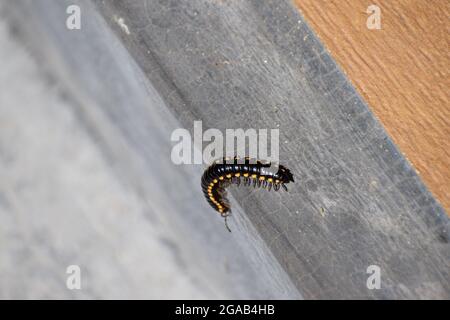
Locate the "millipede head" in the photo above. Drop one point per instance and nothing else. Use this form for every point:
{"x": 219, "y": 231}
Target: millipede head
{"x": 284, "y": 174}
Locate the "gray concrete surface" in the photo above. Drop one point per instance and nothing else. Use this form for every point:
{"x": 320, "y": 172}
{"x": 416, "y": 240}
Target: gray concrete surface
{"x": 74, "y": 191}
{"x": 356, "y": 201}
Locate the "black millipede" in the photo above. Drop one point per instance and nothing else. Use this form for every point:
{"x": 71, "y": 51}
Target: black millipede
{"x": 222, "y": 173}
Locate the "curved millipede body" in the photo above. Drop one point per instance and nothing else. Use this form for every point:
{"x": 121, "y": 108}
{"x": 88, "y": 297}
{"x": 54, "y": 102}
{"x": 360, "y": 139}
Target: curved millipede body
{"x": 237, "y": 171}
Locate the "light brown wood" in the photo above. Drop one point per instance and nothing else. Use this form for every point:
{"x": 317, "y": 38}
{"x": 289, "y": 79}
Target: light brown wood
{"x": 401, "y": 70}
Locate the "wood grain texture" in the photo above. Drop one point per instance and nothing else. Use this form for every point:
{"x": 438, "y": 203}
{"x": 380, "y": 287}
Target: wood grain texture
{"x": 400, "y": 70}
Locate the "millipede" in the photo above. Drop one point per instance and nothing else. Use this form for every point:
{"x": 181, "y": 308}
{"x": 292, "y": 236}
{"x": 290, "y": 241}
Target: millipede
{"x": 227, "y": 171}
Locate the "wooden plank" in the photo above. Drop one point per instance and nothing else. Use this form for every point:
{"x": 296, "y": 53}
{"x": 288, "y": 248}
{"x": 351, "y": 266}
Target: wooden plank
{"x": 401, "y": 71}
{"x": 257, "y": 64}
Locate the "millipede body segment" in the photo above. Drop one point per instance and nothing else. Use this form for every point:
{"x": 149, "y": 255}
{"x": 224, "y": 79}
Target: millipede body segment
{"x": 237, "y": 171}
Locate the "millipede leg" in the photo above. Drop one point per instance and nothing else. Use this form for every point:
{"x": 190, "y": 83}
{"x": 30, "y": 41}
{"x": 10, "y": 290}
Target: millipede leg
{"x": 226, "y": 223}
{"x": 225, "y": 217}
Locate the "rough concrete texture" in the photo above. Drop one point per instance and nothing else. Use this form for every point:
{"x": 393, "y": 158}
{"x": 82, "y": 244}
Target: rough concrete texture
{"x": 73, "y": 191}
{"x": 356, "y": 201}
